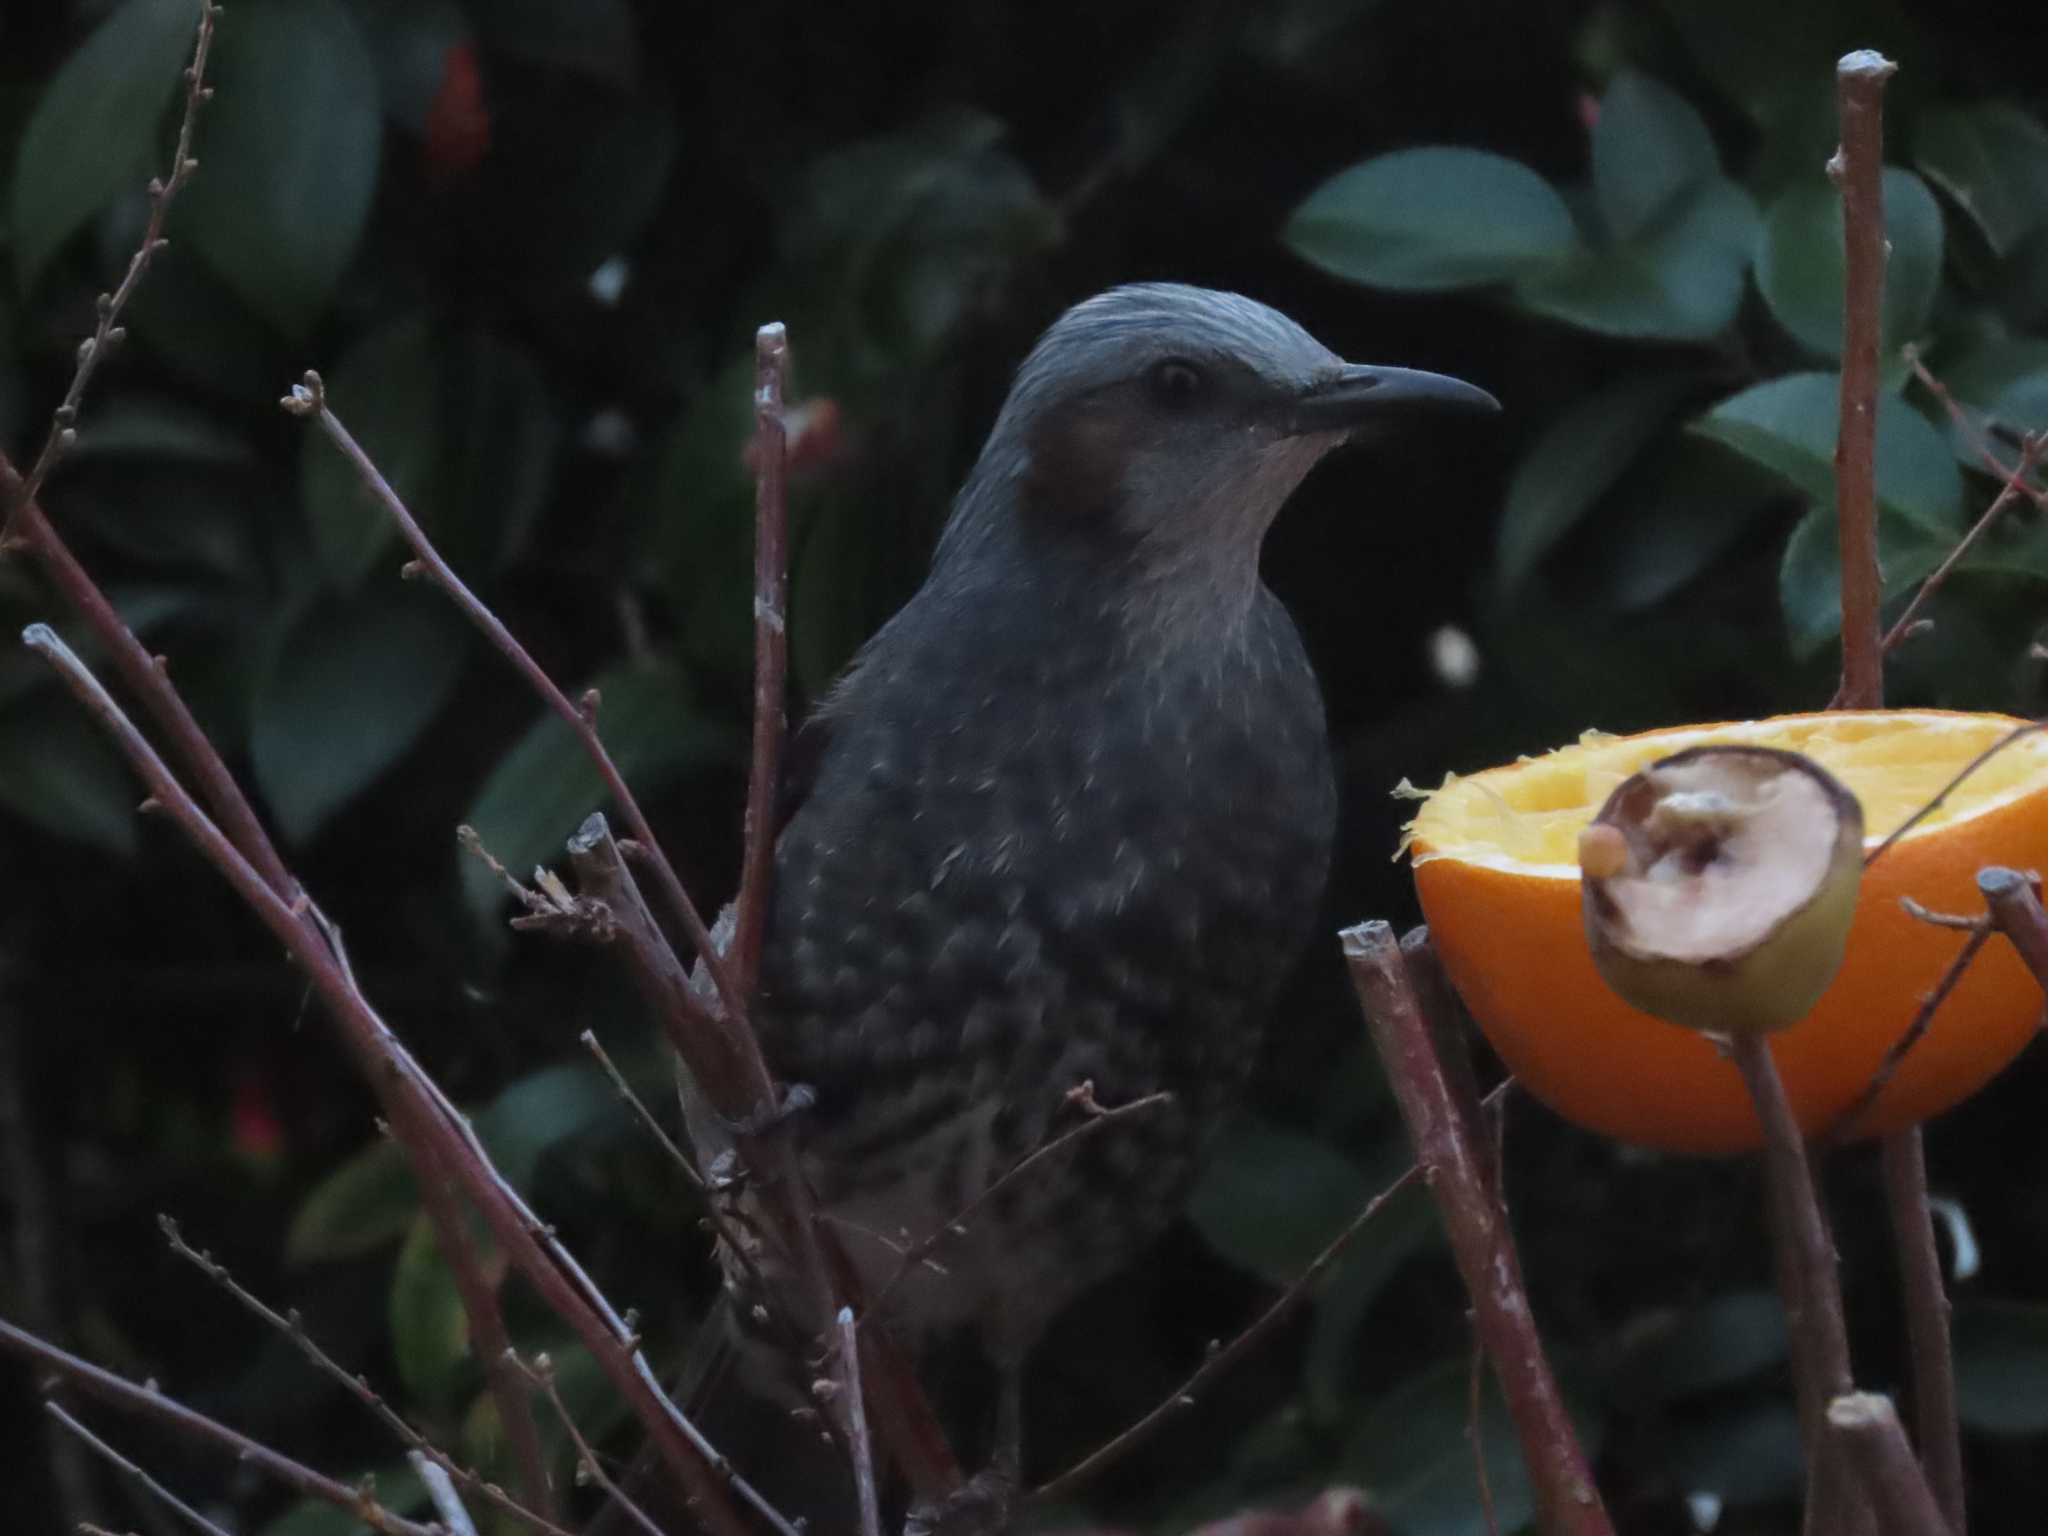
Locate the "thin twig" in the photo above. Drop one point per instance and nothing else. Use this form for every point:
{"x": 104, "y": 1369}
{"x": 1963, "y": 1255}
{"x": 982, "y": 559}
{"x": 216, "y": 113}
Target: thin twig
{"x": 1098, "y": 1117}
{"x": 1844, "y": 1125}
{"x": 1810, "y": 1286}
{"x": 1447, "y": 1147}
{"x": 1941, "y": 795}
{"x": 542, "y": 1374}
{"x": 2012, "y": 491}
{"x": 1865, "y": 1428}
{"x": 309, "y": 398}
{"x": 1858, "y": 169}
{"x": 134, "y": 1473}
{"x": 109, "y": 332}
{"x": 644, "y": 1115}
{"x": 293, "y": 1327}
{"x": 1189, "y": 1392}
{"x": 771, "y": 652}
{"x": 1993, "y": 464}
{"x": 441, "y": 1494}
{"x": 429, "y": 1125}
{"x": 117, "y": 1392}
{"x": 2016, "y": 908}
{"x": 1935, "y": 1415}
{"x": 858, "y": 1447}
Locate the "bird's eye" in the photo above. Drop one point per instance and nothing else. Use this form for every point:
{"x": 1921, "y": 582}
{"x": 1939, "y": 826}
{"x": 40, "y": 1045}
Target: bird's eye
{"x": 1177, "y": 383}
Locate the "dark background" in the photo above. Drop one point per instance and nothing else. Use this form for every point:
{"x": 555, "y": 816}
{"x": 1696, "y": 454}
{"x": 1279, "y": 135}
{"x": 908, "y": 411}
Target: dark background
{"x": 414, "y": 198}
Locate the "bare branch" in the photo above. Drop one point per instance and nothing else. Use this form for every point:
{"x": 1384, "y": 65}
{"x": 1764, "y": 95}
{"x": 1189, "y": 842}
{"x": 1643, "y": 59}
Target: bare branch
{"x": 542, "y": 1374}
{"x": 1935, "y": 1414}
{"x": 1844, "y": 1125}
{"x": 858, "y": 1448}
{"x": 1809, "y": 1285}
{"x": 1098, "y": 1117}
{"x": 1866, "y": 1428}
{"x": 2015, "y": 903}
{"x": 1218, "y": 1361}
{"x": 441, "y": 1492}
{"x": 771, "y": 651}
{"x": 1858, "y": 169}
{"x": 430, "y": 1126}
{"x": 294, "y": 1329}
{"x": 109, "y": 332}
{"x": 309, "y": 399}
{"x": 135, "y": 1474}
{"x": 117, "y": 1392}
{"x": 1448, "y": 1149}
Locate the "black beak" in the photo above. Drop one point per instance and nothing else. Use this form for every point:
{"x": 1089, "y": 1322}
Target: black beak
{"x": 1357, "y": 394}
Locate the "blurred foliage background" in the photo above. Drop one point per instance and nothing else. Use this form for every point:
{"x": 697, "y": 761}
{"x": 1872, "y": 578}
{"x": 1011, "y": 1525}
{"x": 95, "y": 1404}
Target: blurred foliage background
{"x": 527, "y": 242}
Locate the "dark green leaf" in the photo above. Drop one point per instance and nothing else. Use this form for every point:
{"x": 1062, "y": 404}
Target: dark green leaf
{"x": 540, "y": 1111}
{"x": 1991, "y": 158}
{"x": 61, "y": 774}
{"x": 593, "y": 36}
{"x": 1413, "y": 1451}
{"x": 1799, "y": 264}
{"x": 1749, "y": 1456}
{"x": 1273, "y": 1198}
{"x": 429, "y": 1328}
{"x": 1433, "y": 218}
{"x": 399, "y": 1490}
{"x": 188, "y": 315}
{"x": 1731, "y": 1338}
{"x": 1810, "y": 580}
{"x": 504, "y": 439}
{"x": 1688, "y": 510}
{"x": 1788, "y": 426}
{"x": 159, "y": 427}
{"x": 694, "y": 505}
{"x": 1573, "y": 464}
{"x": 367, "y": 1202}
{"x": 2005, "y": 382}
{"x": 1649, "y": 146}
{"x": 96, "y": 126}
{"x": 1681, "y": 280}
{"x": 1403, "y": 1225}
{"x": 545, "y": 785}
{"x": 350, "y": 690}
{"x": 408, "y": 42}
{"x": 290, "y": 157}
{"x": 170, "y": 515}
{"x": 2001, "y": 1350}
{"x": 386, "y": 391}
{"x": 590, "y": 177}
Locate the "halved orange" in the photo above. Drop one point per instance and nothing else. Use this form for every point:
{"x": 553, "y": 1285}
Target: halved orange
{"x": 1496, "y": 866}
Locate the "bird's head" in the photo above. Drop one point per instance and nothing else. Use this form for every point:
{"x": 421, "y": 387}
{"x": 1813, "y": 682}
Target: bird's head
{"x": 1166, "y": 425}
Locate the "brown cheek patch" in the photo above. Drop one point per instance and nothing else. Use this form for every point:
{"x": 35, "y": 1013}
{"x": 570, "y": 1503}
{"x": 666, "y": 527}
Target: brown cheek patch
{"x": 1076, "y": 474}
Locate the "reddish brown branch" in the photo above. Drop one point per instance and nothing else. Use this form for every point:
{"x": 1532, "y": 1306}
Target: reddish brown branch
{"x": 309, "y": 399}
{"x": 357, "y": 1387}
{"x": 1986, "y": 456}
{"x": 430, "y": 1127}
{"x": 135, "y": 1474}
{"x": 1454, "y": 1163}
{"x": 1189, "y": 1392}
{"x": 771, "y": 651}
{"x": 1809, "y": 1285}
{"x": 109, "y": 333}
{"x": 1866, "y": 1429}
{"x": 1927, "y": 1336}
{"x": 125, "y": 1395}
{"x": 542, "y": 1374}
{"x": 1844, "y": 1125}
{"x": 1858, "y": 169}
{"x": 2016, "y": 910}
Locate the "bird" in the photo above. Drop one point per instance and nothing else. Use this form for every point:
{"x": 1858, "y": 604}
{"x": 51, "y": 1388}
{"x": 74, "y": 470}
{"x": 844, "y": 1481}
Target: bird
{"x": 1060, "y": 832}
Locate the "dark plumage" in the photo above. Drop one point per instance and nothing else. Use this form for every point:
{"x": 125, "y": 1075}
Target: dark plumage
{"x": 1071, "y": 813}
